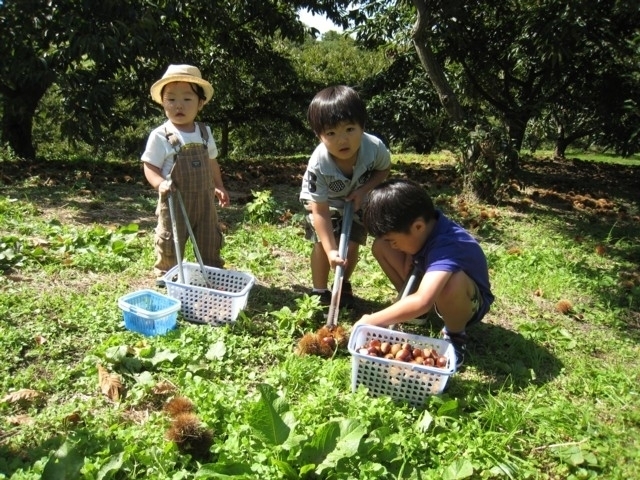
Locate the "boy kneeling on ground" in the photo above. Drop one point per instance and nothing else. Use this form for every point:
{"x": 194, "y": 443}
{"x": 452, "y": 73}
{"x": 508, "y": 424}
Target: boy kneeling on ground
{"x": 409, "y": 232}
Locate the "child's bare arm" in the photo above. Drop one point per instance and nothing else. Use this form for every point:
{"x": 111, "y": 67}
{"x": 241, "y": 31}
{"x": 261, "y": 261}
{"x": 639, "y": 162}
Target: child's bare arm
{"x": 411, "y": 306}
{"x": 221, "y": 192}
{"x": 154, "y": 176}
{"x": 358, "y": 196}
{"x": 324, "y": 230}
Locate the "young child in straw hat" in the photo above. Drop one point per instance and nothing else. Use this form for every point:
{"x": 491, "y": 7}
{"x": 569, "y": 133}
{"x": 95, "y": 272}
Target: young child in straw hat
{"x": 186, "y": 150}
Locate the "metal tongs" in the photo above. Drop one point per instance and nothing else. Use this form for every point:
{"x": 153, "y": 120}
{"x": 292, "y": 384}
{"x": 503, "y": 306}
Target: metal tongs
{"x": 408, "y": 286}
{"x": 343, "y": 249}
{"x": 174, "y": 227}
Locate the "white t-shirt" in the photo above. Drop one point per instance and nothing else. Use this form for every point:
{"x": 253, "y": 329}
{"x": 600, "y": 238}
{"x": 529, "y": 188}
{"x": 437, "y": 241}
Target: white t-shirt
{"x": 324, "y": 181}
{"x": 160, "y": 153}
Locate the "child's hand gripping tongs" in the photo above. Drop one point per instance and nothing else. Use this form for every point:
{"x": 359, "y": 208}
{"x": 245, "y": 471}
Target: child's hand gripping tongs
{"x": 343, "y": 248}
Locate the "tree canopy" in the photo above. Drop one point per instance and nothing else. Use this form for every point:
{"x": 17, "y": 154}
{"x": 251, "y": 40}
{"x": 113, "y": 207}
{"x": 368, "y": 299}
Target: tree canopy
{"x": 102, "y": 55}
{"x": 505, "y": 64}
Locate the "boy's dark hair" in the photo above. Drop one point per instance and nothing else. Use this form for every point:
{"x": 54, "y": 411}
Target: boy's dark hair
{"x": 334, "y": 105}
{"x": 394, "y": 205}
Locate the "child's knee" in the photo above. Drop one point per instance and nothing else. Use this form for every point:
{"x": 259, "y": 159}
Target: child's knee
{"x": 459, "y": 289}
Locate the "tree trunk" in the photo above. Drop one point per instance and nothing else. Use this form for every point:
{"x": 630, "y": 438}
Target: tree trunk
{"x": 563, "y": 140}
{"x": 420, "y": 36}
{"x": 516, "y": 128}
{"x": 560, "y": 148}
{"x": 16, "y": 127}
{"x": 224, "y": 141}
{"x": 19, "y": 108}
{"x": 480, "y": 165}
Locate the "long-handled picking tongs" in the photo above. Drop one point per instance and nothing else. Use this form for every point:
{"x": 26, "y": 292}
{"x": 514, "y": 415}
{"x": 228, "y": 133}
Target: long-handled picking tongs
{"x": 408, "y": 287}
{"x": 174, "y": 227}
{"x": 343, "y": 248}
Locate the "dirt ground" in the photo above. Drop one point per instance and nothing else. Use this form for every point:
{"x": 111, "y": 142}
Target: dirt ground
{"x": 114, "y": 193}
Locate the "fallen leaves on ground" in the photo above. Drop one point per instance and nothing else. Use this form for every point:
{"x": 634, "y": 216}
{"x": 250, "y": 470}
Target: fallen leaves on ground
{"x": 110, "y": 383}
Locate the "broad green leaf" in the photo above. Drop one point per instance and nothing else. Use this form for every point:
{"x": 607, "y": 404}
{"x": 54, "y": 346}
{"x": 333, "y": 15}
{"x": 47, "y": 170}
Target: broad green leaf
{"x": 164, "y": 356}
{"x": 308, "y": 468}
{"x": 459, "y": 469}
{"x": 64, "y": 464}
{"x": 324, "y": 441}
{"x": 118, "y": 246}
{"x": 131, "y": 228}
{"x": 132, "y": 364}
{"x": 112, "y": 466}
{"x": 116, "y": 354}
{"x": 216, "y": 351}
{"x": 145, "y": 378}
{"x": 424, "y": 422}
{"x": 448, "y": 408}
{"x": 264, "y": 418}
{"x": 590, "y": 458}
{"x": 571, "y": 454}
{"x": 285, "y": 468}
{"x": 351, "y": 433}
{"x": 224, "y": 471}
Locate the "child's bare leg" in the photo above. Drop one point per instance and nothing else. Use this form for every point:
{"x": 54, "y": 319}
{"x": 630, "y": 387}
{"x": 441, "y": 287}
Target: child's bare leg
{"x": 457, "y": 302}
{"x": 395, "y": 264}
{"x": 319, "y": 267}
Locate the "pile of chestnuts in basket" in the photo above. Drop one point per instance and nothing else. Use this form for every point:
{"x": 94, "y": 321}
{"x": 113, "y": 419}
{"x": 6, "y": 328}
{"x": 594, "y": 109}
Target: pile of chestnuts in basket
{"x": 403, "y": 352}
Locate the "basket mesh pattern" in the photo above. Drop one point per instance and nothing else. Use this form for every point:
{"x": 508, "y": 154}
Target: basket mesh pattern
{"x": 149, "y": 312}
{"x": 401, "y": 381}
{"x": 216, "y": 304}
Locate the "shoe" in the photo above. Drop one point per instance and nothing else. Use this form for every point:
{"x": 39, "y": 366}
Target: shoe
{"x": 346, "y": 295}
{"x": 459, "y": 342}
{"x": 160, "y": 282}
{"x": 324, "y": 297}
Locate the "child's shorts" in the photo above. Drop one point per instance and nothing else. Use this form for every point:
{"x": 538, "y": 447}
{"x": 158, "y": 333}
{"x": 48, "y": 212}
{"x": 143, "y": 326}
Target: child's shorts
{"x": 480, "y": 305}
{"x": 358, "y": 232}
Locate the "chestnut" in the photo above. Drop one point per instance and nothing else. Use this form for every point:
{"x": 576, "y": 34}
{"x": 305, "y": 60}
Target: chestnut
{"x": 403, "y": 355}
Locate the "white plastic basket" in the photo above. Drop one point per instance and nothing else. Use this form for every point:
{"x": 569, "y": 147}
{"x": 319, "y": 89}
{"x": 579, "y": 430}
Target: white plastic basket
{"x": 402, "y": 381}
{"x": 217, "y": 305}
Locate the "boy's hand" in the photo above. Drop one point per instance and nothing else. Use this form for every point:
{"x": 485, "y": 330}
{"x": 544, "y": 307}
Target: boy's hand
{"x": 165, "y": 187}
{"x": 223, "y": 196}
{"x": 335, "y": 259}
{"x": 364, "y": 320}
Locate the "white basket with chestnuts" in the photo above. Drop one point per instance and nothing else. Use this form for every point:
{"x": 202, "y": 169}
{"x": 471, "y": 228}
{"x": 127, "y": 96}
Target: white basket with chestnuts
{"x": 404, "y": 366}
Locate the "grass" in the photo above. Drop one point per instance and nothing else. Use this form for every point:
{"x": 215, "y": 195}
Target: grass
{"x": 594, "y": 156}
{"x": 550, "y": 390}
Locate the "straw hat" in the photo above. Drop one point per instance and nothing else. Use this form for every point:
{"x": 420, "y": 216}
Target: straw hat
{"x": 181, "y": 73}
